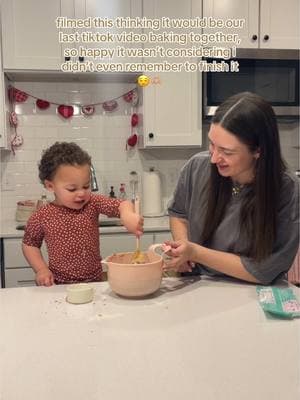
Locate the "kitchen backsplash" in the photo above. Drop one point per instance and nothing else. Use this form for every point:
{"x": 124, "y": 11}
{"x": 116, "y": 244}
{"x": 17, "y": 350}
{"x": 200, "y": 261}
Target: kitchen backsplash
{"x": 102, "y": 135}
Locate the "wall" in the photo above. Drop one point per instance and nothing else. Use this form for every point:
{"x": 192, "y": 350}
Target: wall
{"x": 102, "y": 135}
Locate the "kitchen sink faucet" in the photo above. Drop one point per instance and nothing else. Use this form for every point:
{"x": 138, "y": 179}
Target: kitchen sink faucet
{"x": 94, "y": 184}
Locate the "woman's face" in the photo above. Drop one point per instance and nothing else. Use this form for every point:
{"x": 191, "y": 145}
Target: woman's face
{"x": 232, "y": 157}
{"x": 71, "y": 186}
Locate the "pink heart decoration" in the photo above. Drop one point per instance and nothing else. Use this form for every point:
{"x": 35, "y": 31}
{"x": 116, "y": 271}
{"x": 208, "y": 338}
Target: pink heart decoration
{"x": 110, "y": 105}
{"x": 87, "y": 110}
{"x": 13, "y": 119}
{"x": 65, "y": 111}
{"x": 128, "y": 96}
{"x": 42, "y": 104}
{"x": 135, "y": 98}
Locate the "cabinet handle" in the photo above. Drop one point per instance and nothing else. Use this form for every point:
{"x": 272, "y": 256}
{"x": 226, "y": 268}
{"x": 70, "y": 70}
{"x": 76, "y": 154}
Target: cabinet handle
{"x": 266, "y": 37}
{"x": 151, "y": 135}
{"x": 67, "y": 58}
{"x": 254, "y": 37}
{"x": 81, "y": 59}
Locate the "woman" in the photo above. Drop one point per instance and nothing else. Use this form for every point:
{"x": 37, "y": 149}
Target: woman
{"x": 236, "y": 212}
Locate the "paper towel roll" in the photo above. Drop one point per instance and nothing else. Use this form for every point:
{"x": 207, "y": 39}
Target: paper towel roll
{"x": 152, "y": 201}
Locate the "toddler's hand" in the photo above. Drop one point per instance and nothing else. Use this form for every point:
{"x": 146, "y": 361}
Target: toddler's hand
{"x": 133, "y": 223}
{"x": 44, "y": 278}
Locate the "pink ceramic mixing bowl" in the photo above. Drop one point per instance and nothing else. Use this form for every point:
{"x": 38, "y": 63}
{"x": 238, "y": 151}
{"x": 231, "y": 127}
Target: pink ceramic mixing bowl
{"x": 134, "y": 280}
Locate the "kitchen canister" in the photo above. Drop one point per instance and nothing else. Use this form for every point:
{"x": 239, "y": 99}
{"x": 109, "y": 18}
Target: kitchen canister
{"x": 152, "y": 198}
{"x": 24, "y": 210}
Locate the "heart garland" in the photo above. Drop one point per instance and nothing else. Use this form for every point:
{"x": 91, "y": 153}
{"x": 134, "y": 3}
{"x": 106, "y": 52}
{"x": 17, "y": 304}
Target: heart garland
{"x": 67, "y": 111}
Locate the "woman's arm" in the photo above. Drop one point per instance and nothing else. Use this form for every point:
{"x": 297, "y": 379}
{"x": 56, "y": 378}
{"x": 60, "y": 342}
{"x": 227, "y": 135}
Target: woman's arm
{"x": 34, "y": 257}
{"x": 226, "y": 263}
{"x": 179, "y": 228}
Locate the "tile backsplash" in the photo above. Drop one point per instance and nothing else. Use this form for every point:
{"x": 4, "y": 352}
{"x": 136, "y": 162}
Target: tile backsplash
{"x": 102, "y": 135}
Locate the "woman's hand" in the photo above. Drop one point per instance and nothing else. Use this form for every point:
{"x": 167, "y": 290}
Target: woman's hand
{"x": 181, "y": 253}
{"x": 44, "y": 277}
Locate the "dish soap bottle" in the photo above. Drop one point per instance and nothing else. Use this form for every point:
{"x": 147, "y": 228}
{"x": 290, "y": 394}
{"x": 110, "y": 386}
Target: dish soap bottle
{"x": 122, "y": 192}
{"x": 43, "y": 201}
{"x": 112, "y": 193}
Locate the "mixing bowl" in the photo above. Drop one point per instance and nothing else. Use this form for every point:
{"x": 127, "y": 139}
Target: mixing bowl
{"x": 134, "y": 280}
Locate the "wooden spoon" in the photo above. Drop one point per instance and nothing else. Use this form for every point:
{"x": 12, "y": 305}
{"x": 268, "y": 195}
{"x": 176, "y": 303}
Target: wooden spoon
{"x": 138, "y": 256}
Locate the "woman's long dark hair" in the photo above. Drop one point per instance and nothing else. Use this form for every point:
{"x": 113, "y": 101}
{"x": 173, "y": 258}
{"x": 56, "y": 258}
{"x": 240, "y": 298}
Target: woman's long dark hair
{"x": 252, "y": 120}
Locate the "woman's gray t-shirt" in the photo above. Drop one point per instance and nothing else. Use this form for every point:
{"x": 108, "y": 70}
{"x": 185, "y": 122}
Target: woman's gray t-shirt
{"x": 189, "y": 203}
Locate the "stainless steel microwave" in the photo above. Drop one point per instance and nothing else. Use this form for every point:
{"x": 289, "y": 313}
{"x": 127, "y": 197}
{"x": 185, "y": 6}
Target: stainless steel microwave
{"x": 272, "y": 74}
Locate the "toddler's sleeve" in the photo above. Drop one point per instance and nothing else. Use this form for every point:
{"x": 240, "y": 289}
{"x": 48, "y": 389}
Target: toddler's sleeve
{"x": 34, "y": 233}
{"x": 107, "y": 205}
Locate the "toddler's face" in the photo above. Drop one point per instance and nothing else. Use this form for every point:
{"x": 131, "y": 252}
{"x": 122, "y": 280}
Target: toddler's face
{"x": 71, "y": 186}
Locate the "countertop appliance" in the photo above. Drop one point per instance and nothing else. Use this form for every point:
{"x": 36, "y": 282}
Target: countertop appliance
{"x": 272, "y": 74}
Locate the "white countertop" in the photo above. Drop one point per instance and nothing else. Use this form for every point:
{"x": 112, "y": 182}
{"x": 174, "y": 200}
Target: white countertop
{"x": 155, "y": 224}
{"x": 202, "y": 339}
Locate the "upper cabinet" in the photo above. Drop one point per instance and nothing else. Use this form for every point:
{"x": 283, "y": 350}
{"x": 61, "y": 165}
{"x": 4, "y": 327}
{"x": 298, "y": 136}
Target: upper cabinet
{"x": 30, "y": 35}
{"x": 269, "y": 24}
{"x": 172, "y": 100}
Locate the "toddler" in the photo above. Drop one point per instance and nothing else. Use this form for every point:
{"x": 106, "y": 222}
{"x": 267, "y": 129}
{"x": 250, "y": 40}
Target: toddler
{"x": 69, "y": 224}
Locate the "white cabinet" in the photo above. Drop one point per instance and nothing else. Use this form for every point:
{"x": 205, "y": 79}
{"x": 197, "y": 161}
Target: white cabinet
{"x": 30, "y": 35}
{"x": 17, "y": 271}
{"x": 270, "y": 24}
{"x": 279, "y": 24}
{"x": 172, "y": 107}
{"x": 19, "y": 277}
{"x": 111, "y": 10}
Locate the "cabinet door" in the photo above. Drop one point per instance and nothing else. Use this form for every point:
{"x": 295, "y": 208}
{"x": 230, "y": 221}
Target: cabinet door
{"x": 123, "y": 242}
{"x": 111, "y": 10}
{"x": 237, "y": 9}
{"x": 30, "y": 37}
{"x": 280, "y": 24}
{"x": 19, "y": 277}
{"x": 13, "y": 255}
{"x": 172, "y": 105}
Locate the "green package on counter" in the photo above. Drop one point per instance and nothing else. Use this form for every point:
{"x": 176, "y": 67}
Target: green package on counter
{"x": 281, "y": 302}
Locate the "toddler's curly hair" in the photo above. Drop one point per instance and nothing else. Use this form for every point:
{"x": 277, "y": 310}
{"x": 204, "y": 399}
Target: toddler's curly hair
{"x": 61, "y": 153}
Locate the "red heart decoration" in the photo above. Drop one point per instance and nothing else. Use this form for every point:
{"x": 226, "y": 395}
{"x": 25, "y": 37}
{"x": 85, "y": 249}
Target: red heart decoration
{"x": 132, "y": 140}
{"x": 17, "y": 95}
{"x": 65, "y": 111}
{"x": 42, "y": 104}
{"x": 134, "y": 120}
